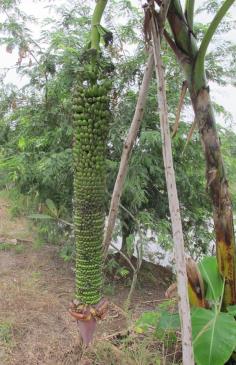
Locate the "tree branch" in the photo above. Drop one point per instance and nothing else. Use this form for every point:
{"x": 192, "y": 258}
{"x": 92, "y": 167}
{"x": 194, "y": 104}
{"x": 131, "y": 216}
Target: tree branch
{"x": 139, "y": 259}
{"x": 199, "y": 63}
{"x": 124, "y": 257}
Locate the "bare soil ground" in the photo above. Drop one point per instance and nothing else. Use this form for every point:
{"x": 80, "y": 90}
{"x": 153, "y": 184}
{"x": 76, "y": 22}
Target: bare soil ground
{"x": 36, "y": 287}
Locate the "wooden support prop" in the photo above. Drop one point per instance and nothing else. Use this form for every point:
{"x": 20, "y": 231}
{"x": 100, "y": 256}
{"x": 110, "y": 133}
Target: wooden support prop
{"x": 184, "y": 309}
{"x": 127, "y": 148}
{"x": 179, "y": 108}
{"x": 190, "y": 134}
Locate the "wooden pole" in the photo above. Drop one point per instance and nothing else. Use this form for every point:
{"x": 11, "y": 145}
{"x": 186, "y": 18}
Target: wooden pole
{"x": 181, "y": 273}
{"x": 127, "y": 148}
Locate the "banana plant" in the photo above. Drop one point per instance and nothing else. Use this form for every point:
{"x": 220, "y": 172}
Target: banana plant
{"x": 191, "y": 57}
{"x": 213, "y": 325}
{"x": 91, "y": 125}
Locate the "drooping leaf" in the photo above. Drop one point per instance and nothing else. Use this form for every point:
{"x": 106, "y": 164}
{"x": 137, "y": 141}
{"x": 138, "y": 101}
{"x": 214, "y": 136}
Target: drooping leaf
{"x": 211, "y": 276}
{"x": 214, "y": 336}
{"x": 52, "y": 207}
{"x": 21, "y": 143}
{"x": 146, "y": 321}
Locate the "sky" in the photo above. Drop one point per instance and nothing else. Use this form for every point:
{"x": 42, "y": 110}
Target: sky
{"x": 226, "y": 96}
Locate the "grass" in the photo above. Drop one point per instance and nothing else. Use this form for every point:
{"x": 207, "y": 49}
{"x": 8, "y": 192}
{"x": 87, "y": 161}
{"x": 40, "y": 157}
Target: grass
{"x": 6, "y": 341}
{"x": 35, "y": 290}
{"x": 19, "y": 203}
{"x": 34, "y": 277}
{"x": 5, "y": 333}
{"x": 38, "y": 243}
{"x": 12, "y": 228}
{"x": 19, "y": 248}
{"x": 133, "y": 350}
{"x": 6, "y": 246}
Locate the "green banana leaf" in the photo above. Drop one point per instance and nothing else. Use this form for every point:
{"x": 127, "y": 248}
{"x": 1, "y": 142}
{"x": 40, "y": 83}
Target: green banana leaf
{"x": 214, "y": 336}
{"x": 212, "y": 278}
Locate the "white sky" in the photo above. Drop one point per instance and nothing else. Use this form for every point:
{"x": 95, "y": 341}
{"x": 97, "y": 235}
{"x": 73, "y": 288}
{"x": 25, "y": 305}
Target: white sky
{"x": 226, "y": 96}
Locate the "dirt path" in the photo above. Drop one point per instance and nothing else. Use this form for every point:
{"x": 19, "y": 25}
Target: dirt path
{"x": 35, "y": 289}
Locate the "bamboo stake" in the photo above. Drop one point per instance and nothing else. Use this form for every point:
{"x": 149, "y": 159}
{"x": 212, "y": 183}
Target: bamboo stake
{"x": 179, "y": 108}
{"x": 127, "y": 148}
{"x": 184, "y": 309}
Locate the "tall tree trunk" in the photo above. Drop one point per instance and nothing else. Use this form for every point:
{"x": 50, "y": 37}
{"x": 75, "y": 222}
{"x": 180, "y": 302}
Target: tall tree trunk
{"x": 186, "y": 50}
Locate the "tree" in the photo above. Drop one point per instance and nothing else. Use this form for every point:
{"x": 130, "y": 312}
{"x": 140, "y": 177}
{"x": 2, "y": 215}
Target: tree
{"x": 37, "y": 136}
{"x": 38, "y": 151}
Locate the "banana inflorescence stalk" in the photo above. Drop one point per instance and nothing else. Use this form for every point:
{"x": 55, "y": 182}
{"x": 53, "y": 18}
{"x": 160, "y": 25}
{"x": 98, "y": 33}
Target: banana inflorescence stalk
{"x": 92, "y": 117}
{"x": 91, "y": 125}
